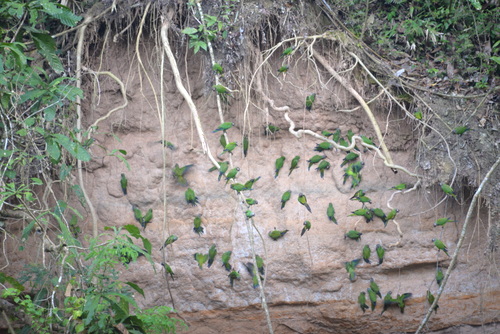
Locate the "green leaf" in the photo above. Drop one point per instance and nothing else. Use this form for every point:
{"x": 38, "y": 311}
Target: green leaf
{"x": 90, "y": 307}
{"x": 79, "y": 193}
{"x": 27, "y": 230}
{"x": 190, "y": 31}
{"x": 5, "y": 153}
{"x": 64, "y": 171}
{"x": 12, "y": 281}
{"x": 496, "y": 59}
{"x": 135, "y": 287}
{"x": 147, "y": 245}
{"x": 80, "y": 328}
{"x": 47, "y": 48}
{"x": 60, "y": 207}
{"x": 49, "y": 113}
{"x": 70, "y": 92}
{"x": 53, "y": 149}
{"x": 133, "y": 230}
{"x": 36, "y": 181}
{"x": 476, "y": 4}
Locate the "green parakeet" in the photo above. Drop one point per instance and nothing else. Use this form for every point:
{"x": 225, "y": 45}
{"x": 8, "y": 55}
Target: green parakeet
{"x": 353, "y": 234}
{"x": 350, "y": 157}
{"x": 271, "y": 129}
{"x": 249, "y": 214}
{"x": 388, "y": 301}
{"x": 441, "y": 246}
{"x": 362, "y": 301}
{"x": 170, "y": 240}
{"x": 380, "y": 214}
{"x": 232, "y": 174}
{"x": 223, "y": 167}
{"x": 351, "y": 269}
{"x": 229, "y": 147}
{"x": 439, "y": 276}
{"x": 260, "y": 264}
{"x": 367, "y": 252}
{"x": 251, "y": 201}
{"x": 179, "y": 172}
{"x": 218, "y": 68}
{"x": 392, "y": 214}
{"x": 294, "y": 164}
{"x": 238, "y": 187}
{"x": 303, "y": 200}
{"x": 147, "y": 218}
{"x": 330, "y": 212}
{"x": 443, "y": 221}
{"x": 198, "y": 229}
{"x": 124, "y": 183}
{"x": 373, "y": 298}
{"x": 430, "y": 300}
{"x": 246, "y": 143}
{"x": 400, "y": 300}
{"x": 307, "y": 227}
{"x": 251, "y": 270}
{"x": 447, "y": 190}
{"x": 249, "y": 184}
{"x": 374, "y": 287}
{"x": 324, "y": 146}
{"x": 224, "y": 127}
{"x": 323, "y": 165}
{"x": 225, "y": 260}
{"x": 191, "y": 197}
{"x": 309, "y": 101}
{"x": 401, "y": 186}
{"x": 278, "y": 164}
{"x": 285, "y": 197}
{"x": 223, "y": 92}
{"x": 168, "y": 269}
{"x": 460, "y": 130}
{"x": 138, "y": 215}
{"x": 201, "y": 259}
{"x": 358, "y": 193}
{"x": 276, "y": 234}
{"x": 380, "y": 253}
{"x": 223, "y": 141}
{"x": 287, "y": 51}
{"x": 314, "y": 160}
{"x": 418, "y": 115}
{"x": 283, "y": 69}
{"x": 363, "y": 199}
{"x": 212, "y": 253}
{"x": 233, "y": 275}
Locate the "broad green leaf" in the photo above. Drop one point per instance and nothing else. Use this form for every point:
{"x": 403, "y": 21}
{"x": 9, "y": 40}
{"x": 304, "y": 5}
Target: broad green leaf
{"x": 12, "y": 281}
{"x": 147, "y": 244}
{"x": 53, "y": 149}
{"x": 133, "y": 230}
{"x": 49, "y": 113}
{"x": 79, "y": 193}
{"x": 64, "y": 171}
{"x": 90, "y": 307}
{"x": 135, "y": 287}
{"x": 47, "y": 48}
{"x": 189, "y": 31}
{"x": 60, "y": 208}
{"x": 36, "y": 181}
{"x": 496, "y": 59}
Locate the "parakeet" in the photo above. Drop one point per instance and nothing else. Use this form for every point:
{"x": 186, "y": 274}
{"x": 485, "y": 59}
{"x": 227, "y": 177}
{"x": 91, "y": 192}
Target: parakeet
{"x": 380, "y": 214}
{"x": 373, "y": 298}
{"x": 201, "y": 259}
{"x": 212, "y": 253}
{"x": 401, "y": 186}
{"x": 460, "y": 130}
{"x": 326, "y": 133}
{"x": 392, "y": 214}
{"x": 441, "y": 246}
{"x": 168, "y": 269}
{"x": 294, "y": 164}
{"x": 367, "y": 140}
{"x": 353, "y": 234}
{"x": 167, "y": 144}
{"x": 447, "y": 189}
{"x": 400, "y": 300}
{"x": 251, "y": 270}
{"x": 138, "y": 214}
{"x": 249, "y": 214}
{"x": 283, "y": 69}
{"x": 380, "y": 253}
{"x": 443, "y": 221}
{"x": 439, "y": 276}
{"x": 388, "y": 301}
{"x": 230, "y": 147}
{"x": 276, "y": 234}
{"x": 223, "y": 167}
{"x": 358, "y": 193}
{"x": 124, "y": 183}
{"x": 303, "y": 200}
{"x": 179, "y": 172}
{"x": 287, "y": 51}
{"x": 271, "y": 129}
{"x": 366, "y": 254}
{"x": 198, "y": 229}
{"x": 350, "y": 157}
{"x": 330, "y": 212}
{"x": 223, "y": 92}
{"x": 309, "y": 101}
{"x": 249, "y": 184}
{"x": 232, "y": 174}
{"x": 314, "y": 160}
{"x": 238, "y": 187}
{"x": 323, "y": 165}
{"x": 147, "y": 218}
{"x": 233, "y": 275}
{"x": 351, "y": 269}
{"x": 374, "y": 287}
{"x": 278, "y": 164}
{"x": 251, "y": 201}
{"x": 307, "y": 227}
{"x": 191, "y": 197}
{"x": 366, "y": 213}
{"x": 224, "y": 127}
{"x": 217, "y": 68}
{"x": 430, "y": 300}
{"x": 223, "y": 141}
{"x": 418, "y": 115}
{"x": 336, "y": 136}
{"x": 363, "y": 199}
{"x": 225, "y": 260}
{"x": 324, "y": 146}
{"x": 246, "y": 143}
{"x": 170, "y": 240}
{"x": 260, "y": 264}
{"x": 362, "y": 301}
{"x": 285, "y": 197}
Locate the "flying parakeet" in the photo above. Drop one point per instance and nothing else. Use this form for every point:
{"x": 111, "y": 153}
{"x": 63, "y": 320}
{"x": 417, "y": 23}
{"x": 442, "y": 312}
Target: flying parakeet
{"x": 330, "y": 212}
{"x": 314, "y": 160}
{"x": 225, "y": 260}
{"x": 447, "y": 190}
{"x": 198, "y": 229}
{"x": 307, "y": 227}
{"x": 294, "y": 164}
{"x": 443, "y": 221}
{"x": 170, "y": 240}
{"x": 124, "y": 183}
{"x": 179, "y": 172}
{"x": 441, "y": 246}
{"x": 191, "y": 197}
{"x": 246, "y": 143}
{"x": 323, "y": 165}
{"x": 285, "y": 197}
{"x": 353, "y": 234}
{"x": 233, "y": 275}
{"x": 303, "y": 200}
{"x": 224, "y": 127}
{"x": 362, "y": 301}
{"x": 309, "y": 101}
{"x": 351, "y": 269}
{"x": 367, "y": 252}
{"x": 278, "y": 164}
{"x": 430, "y": 300}
{"x": 201, "y": 259}
{"x": 276, "y": 234}
{"x": 212, "y": 252}
{"x": 380, "y": 253}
